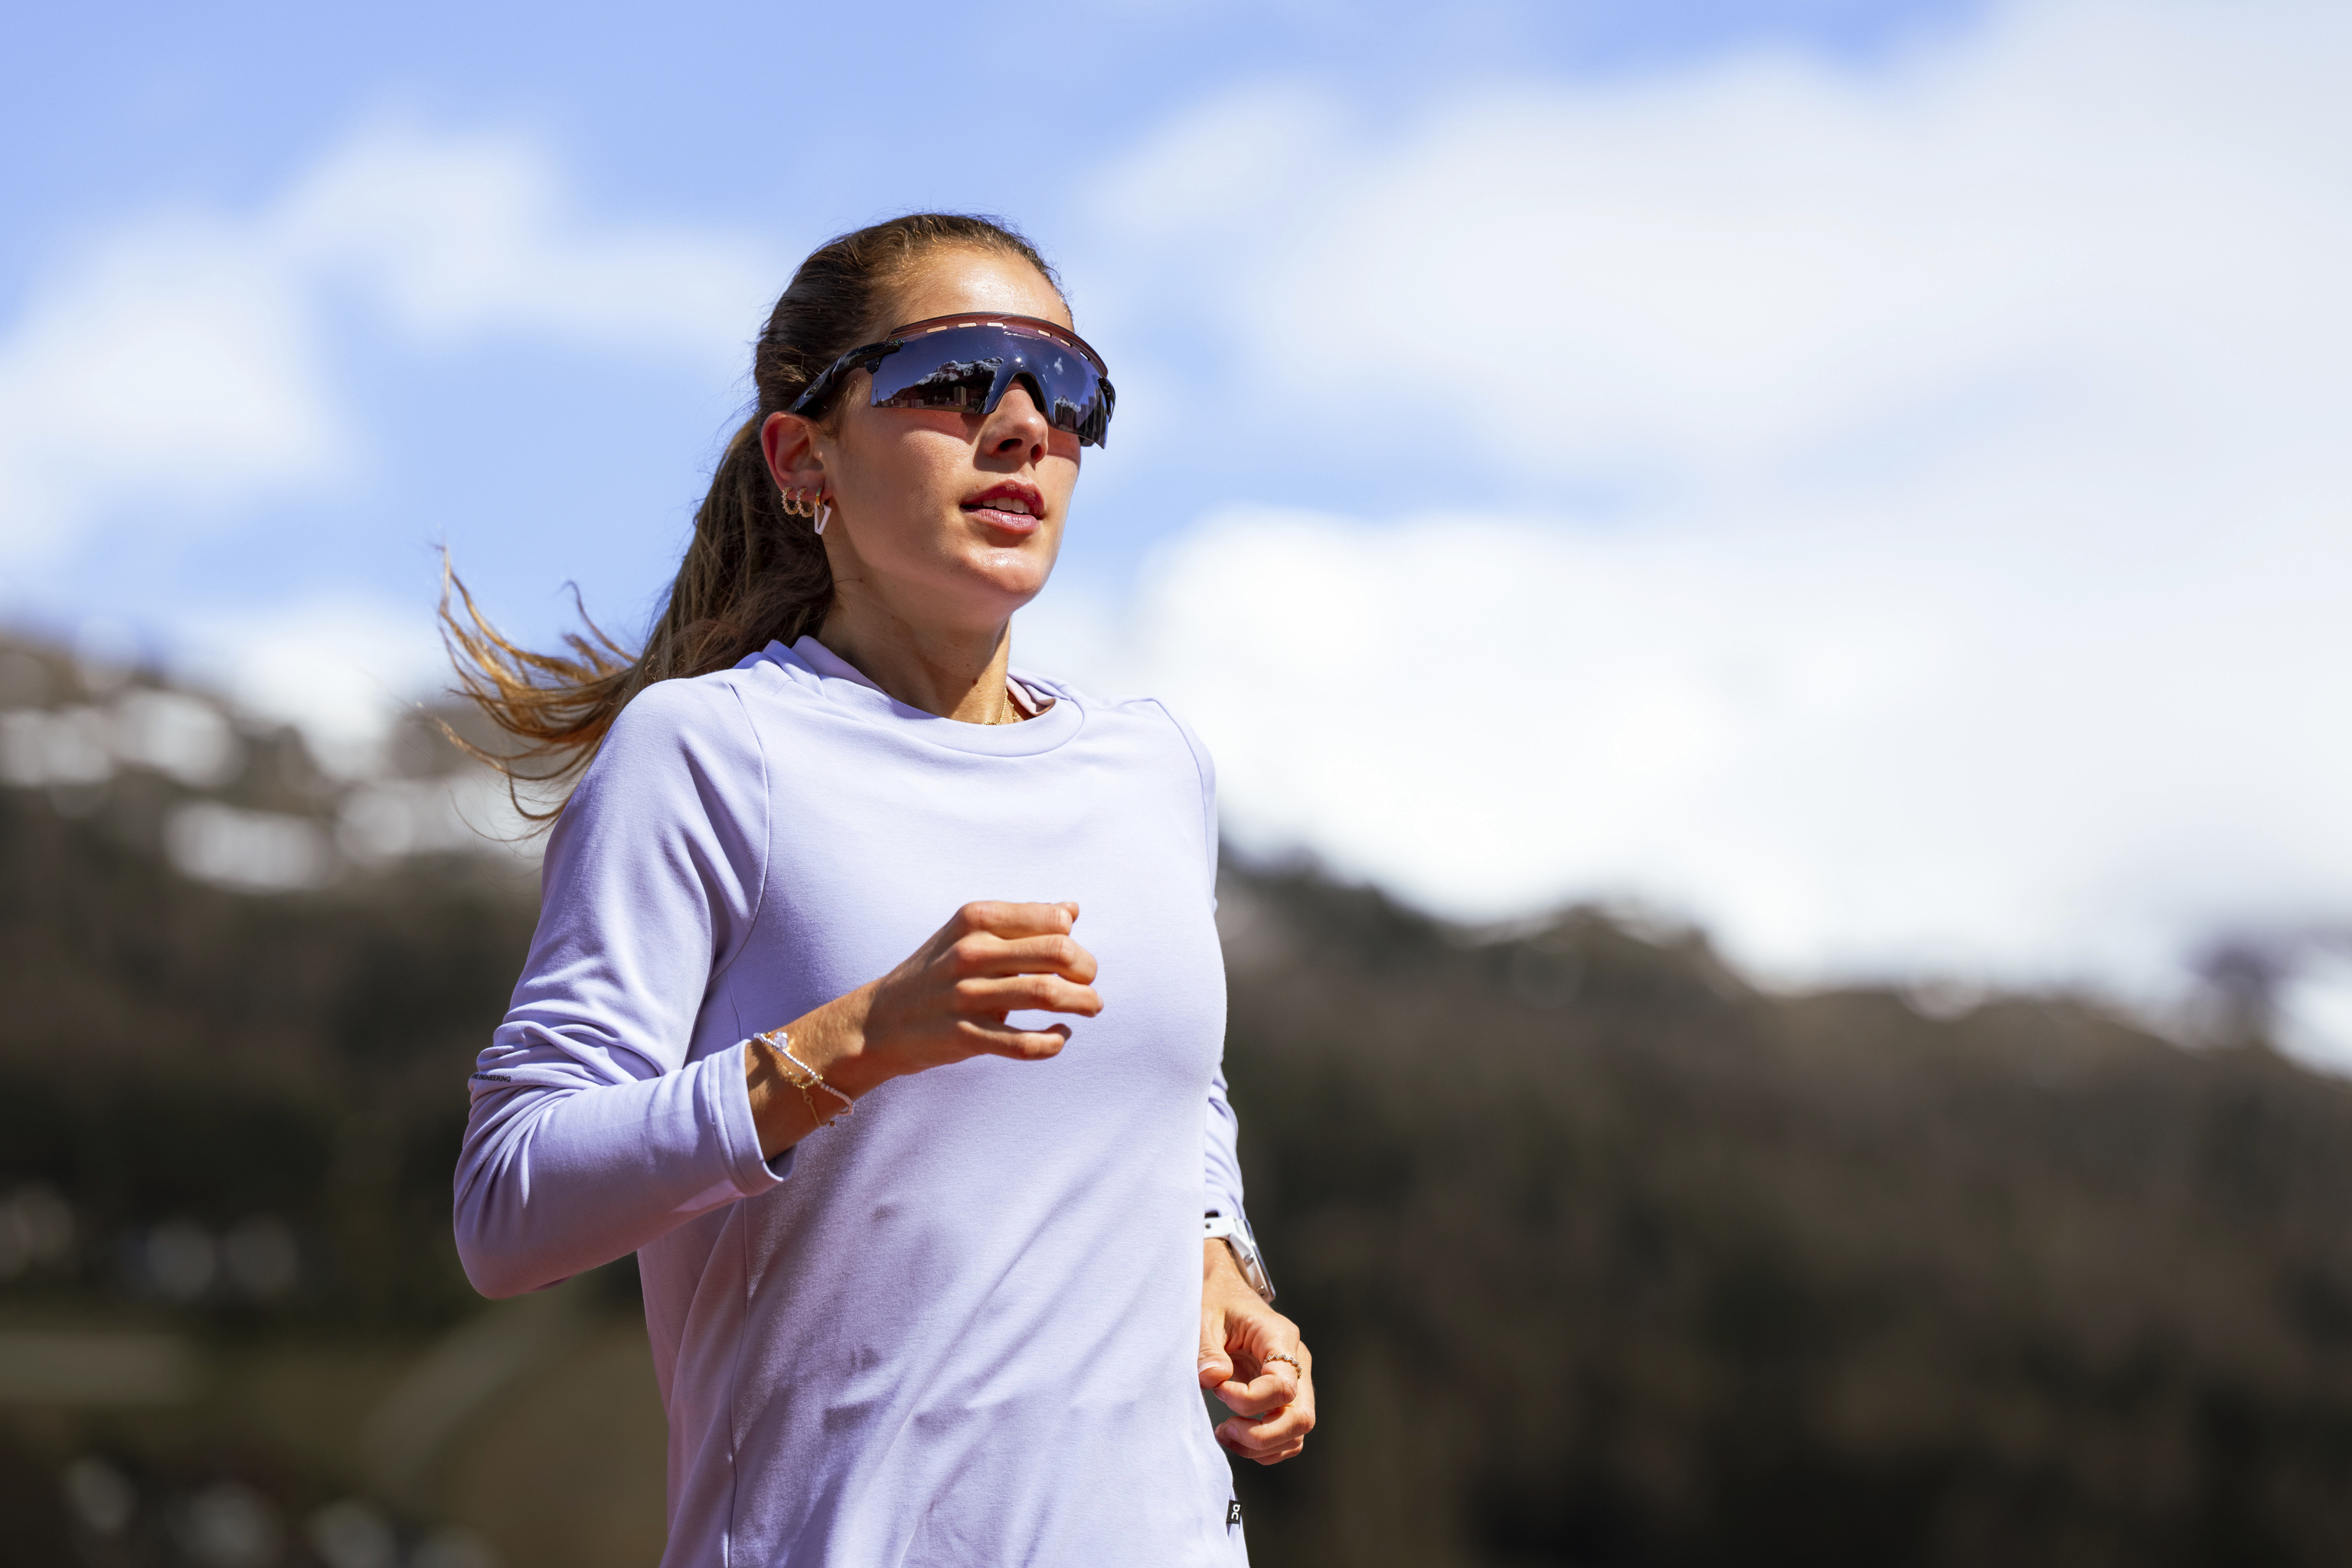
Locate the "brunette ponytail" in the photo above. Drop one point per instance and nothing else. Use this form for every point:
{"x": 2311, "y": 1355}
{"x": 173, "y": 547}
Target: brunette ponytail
{"x": 752, "y": 574}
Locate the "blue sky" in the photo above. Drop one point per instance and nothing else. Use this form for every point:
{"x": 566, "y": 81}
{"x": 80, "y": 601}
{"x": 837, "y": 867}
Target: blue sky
{"x": 1864, "y": 477}
{"x": 699, "y": 109}
{"x": 772, "y": 125}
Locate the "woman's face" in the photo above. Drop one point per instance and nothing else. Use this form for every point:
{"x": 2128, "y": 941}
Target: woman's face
{"x": 943, "y": 520}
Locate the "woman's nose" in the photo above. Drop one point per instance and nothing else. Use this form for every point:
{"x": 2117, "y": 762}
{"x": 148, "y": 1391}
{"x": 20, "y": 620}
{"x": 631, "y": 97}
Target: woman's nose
{"x": 1015, "y": 425}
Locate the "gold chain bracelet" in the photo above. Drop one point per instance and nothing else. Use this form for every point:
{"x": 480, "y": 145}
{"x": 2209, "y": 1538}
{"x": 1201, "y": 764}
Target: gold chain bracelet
{"x": 804, "y": 1078}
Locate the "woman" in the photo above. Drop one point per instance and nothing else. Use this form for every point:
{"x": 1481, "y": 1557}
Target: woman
{"x": 950, "y": 1327}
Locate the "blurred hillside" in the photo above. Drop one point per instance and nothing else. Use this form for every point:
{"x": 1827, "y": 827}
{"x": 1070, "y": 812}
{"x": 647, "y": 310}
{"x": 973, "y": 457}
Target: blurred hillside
{"x": 1607, "y": 1258}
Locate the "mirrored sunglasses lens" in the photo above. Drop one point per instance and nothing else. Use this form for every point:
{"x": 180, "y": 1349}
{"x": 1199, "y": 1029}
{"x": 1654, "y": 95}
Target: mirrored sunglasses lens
{"x": 932, "y": 374}
{"x": 960, "y": 368}
{"x": 1072, "y": 393}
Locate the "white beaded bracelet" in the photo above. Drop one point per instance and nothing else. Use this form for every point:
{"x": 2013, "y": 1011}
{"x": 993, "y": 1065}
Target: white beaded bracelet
{"x": 780, "y": 1043}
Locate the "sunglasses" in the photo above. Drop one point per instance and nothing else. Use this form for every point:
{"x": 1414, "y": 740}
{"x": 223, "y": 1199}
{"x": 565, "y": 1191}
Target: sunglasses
{"x": 968, "y": 362}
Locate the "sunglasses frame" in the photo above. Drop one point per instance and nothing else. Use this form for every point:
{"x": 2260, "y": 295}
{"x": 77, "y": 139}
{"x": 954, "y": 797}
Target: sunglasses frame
{"x": 812, "y": 402}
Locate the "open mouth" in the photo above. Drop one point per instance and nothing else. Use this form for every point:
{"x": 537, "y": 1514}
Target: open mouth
{"x": 1007, "y": 507}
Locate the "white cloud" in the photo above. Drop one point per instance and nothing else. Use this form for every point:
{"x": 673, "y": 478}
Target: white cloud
{"x": 177, "y": 366}
{"x": 337, "y": 665}
{"x": 181, "y": 363}
{"x": 1767, "y": 263}
{"x": 1843, "y": 752}
{"x": 1979, "y": 607}
{"x": 465, "y": 236}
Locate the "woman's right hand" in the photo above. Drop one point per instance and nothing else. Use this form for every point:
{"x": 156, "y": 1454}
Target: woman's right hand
{"x": 947, "y": 1002}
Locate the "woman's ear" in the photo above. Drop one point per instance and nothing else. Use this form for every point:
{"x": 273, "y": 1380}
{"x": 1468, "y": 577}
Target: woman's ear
{"x": 788, "y": 441}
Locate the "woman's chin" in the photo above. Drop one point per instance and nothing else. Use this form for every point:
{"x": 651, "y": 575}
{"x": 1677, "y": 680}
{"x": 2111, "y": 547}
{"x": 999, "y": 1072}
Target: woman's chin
{"x": 1016, "y": 573}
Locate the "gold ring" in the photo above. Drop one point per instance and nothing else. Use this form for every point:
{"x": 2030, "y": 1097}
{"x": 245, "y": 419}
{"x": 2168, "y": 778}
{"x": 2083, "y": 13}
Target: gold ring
{"x": 1293, "y": 1360}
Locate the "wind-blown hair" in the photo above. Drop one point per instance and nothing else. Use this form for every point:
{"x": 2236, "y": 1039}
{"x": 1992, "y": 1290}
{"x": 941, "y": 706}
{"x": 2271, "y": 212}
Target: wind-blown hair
{"x": 752, "y": 574}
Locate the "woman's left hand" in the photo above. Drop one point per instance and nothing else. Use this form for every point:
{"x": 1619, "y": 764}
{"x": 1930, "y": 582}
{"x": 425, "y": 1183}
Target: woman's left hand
{"x": 1274, "y": 1402}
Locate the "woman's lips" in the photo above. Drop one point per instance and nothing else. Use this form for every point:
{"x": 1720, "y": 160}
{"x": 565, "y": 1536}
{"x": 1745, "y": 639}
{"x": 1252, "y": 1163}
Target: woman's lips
{"x": 1006, "y": 514}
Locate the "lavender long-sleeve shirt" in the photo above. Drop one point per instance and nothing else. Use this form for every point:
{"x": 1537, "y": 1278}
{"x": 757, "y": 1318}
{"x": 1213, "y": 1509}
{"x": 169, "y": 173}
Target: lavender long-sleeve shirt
{"x": 958, "y": 1327}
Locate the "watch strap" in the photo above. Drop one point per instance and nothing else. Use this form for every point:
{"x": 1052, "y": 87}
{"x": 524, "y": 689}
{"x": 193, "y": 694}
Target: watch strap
{"x": 1234, "y": 1233}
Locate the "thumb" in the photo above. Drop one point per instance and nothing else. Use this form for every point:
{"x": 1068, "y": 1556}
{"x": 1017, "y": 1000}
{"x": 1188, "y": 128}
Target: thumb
{"x": 1216, "y": 1366}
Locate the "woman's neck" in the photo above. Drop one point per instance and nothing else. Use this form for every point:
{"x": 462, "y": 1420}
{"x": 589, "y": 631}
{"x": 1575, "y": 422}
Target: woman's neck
{"x": 960, "y": 677}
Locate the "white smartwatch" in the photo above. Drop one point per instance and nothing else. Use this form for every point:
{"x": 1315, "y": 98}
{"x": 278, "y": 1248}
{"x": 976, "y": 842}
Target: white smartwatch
{"x": 1234, "y": 1234}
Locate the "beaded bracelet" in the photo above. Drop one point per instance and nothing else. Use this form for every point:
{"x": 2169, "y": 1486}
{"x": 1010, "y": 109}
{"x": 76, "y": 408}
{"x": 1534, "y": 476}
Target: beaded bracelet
{"x": 806, "y": 1078}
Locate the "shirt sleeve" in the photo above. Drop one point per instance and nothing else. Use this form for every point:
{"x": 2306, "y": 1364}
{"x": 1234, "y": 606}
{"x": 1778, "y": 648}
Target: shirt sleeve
{"x": 1225, "y": 1162}
{"x": 592, "y": 1132}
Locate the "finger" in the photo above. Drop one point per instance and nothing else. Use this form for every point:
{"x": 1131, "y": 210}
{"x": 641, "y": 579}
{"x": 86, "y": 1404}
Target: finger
{"x": 1025, "y": 993}
{"x": 1019, "y": 1045}
{"x": 1216, "y": 1366}
{"x": 1290, "y": 1424}
{"x": 1268, "y": 1442}
{"x": 1270, "y": 1390}
{"x": 1264, "y": 1455}
{"x": 997, "y": 918}
{"x": 985, "y": 956}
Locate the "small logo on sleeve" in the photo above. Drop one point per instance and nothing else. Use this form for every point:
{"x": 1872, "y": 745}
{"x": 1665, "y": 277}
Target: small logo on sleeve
{"x": 1233, "y": 1513}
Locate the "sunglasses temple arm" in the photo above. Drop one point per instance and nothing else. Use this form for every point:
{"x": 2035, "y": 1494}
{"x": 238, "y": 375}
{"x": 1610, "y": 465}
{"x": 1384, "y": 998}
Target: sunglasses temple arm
{"x": 819, "y": 392}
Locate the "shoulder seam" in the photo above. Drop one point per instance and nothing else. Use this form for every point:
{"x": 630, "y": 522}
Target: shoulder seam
{"x": 1190, "y": 750}
{"x": 1193, "y": 749}
{"x": 671, "y": 696}
{"x": 767, "y": 843}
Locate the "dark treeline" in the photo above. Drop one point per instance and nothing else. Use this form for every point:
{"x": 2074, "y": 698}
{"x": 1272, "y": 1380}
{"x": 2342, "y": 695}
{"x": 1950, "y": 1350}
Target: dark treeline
{"x": 171, "y": 1051}
{"x": 1606, "y": 1256}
